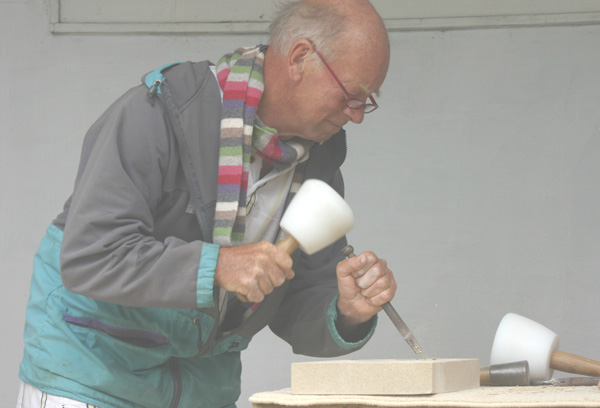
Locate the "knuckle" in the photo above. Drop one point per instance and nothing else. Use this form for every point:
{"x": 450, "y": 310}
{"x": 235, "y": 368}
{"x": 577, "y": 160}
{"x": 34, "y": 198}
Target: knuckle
{"x": 263, "y": 245}
{"x": 370, "y": 257}
{"x": 255, "y": 296}
{"x": 247, "y": 280}
{"x": 261, "y": 259}
{"x": 278, "y": 280}
{"x": 256, "y": 272}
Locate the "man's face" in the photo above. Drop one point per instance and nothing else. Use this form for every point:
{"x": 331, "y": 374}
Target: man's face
{"x": 321, "y": 103}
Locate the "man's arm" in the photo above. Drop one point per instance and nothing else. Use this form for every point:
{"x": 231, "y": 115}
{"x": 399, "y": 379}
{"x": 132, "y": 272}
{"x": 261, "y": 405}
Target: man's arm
{"x": 109, "y": 251}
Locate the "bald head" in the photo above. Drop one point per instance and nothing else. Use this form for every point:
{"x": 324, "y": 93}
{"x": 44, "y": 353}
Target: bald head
{"x": 333, "y": 26}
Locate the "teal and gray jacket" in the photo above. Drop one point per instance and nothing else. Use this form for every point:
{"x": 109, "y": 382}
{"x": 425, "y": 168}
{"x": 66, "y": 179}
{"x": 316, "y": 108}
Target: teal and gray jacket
{"x": 123, "y": 311}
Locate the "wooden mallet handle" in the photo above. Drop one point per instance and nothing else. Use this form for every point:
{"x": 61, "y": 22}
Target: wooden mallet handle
{"x": 571, "y": 363}
{"x": 288, "y": 244}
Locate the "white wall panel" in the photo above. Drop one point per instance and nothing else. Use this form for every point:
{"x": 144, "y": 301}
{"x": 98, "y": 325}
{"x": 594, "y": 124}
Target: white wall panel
{"x": 198, "y": 16}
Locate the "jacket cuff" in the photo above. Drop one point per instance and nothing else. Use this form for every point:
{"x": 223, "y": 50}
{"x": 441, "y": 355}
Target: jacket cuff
{"x": 206, "y": 275}
{"x": 332, "y": 317}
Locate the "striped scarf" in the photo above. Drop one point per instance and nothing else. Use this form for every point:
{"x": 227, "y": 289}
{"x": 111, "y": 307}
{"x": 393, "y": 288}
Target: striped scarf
{"x": 240, "y": 76}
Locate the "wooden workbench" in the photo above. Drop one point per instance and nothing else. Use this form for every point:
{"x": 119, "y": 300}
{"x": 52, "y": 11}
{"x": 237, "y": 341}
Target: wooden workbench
{"x": 484, "y": 397}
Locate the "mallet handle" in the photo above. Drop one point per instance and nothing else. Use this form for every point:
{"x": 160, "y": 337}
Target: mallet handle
{"x": 574, "y": 364}
{"x": 288, "y": 244}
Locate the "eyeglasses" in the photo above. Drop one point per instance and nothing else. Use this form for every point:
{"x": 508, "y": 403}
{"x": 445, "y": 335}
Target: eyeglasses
{"x": 351, "y": 102}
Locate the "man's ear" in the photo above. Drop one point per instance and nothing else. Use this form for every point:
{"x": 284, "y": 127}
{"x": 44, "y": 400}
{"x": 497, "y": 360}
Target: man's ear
{"x": 297, "y": 58}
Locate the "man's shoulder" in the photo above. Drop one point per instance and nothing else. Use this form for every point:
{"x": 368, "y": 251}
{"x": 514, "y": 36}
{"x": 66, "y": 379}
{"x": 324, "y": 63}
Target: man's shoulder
{"x": 189, "y": 70}
{"x": 185, "y": 80}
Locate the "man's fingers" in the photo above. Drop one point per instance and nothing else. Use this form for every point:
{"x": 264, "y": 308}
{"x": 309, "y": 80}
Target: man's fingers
{"x": 357, "y": 266}
{"x": 285, "y": 263}
{"x": 354, "y": 267}
{"x": 380, "y": 293}
{"x": 373, "y": 277}
{"x": 289, "y": 274}
{"x": 266, "y": 284}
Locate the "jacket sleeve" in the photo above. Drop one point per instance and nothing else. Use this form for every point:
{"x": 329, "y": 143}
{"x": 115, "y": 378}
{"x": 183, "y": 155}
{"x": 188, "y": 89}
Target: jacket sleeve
{"x": 109, "y": 252}
{"x": 307, "y": 316}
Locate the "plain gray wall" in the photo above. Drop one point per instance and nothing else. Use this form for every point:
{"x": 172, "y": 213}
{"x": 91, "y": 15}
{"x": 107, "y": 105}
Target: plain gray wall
{"x": 477, "y": 179}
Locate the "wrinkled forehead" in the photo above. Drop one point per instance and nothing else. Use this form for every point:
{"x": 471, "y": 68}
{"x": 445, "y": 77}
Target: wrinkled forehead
{"x": 366, "y": 55}
{"x": 364, "y": 73}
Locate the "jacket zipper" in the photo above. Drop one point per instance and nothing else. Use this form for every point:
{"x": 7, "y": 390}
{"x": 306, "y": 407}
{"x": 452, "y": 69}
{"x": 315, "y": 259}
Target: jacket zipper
{"x": 210, "y": 343}
{"x": 188, "y": 174}
{"x": 177, "y": 384}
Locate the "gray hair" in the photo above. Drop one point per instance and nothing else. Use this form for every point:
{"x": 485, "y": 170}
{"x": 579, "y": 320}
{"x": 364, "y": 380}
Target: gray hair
{"x": 296, "y": 20}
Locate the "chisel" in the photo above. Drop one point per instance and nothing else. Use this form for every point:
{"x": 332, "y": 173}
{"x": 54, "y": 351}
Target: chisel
{"x": 348, "y": 252}
{"x": 569, "y": 381}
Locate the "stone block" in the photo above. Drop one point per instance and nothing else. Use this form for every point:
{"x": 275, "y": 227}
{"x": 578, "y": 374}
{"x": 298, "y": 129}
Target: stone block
{"x": 384, "y": 377}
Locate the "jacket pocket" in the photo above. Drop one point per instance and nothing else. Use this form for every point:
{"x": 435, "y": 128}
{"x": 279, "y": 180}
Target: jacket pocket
{"x": 136, "y": 337}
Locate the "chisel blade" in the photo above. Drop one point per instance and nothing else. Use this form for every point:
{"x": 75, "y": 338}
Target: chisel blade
{"x": 403, "y": 329}
{"x": 569, "y": 381}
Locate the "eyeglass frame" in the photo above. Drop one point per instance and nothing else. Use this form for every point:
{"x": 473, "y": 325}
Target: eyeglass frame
{"x": 349, "y": 96}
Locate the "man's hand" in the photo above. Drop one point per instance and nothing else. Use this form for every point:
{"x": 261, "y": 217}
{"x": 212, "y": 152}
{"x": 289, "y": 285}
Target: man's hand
{"x": 365, "y": 283}
{"x": 252, "y": 271}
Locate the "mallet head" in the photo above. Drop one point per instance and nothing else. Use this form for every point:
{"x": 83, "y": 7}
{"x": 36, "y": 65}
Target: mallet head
{"x": 317, "y": 216}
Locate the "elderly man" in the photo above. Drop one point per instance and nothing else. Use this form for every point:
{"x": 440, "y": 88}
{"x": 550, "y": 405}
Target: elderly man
{"x": 162, "y": 265}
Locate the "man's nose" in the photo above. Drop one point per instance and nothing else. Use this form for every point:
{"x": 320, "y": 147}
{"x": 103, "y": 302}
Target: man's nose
{"x": 355, "y": 115}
